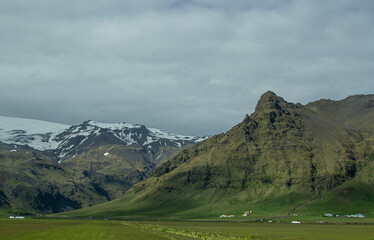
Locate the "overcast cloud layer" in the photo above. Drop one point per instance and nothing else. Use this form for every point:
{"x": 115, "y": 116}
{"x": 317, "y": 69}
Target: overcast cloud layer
{"x": 190, "y": 67}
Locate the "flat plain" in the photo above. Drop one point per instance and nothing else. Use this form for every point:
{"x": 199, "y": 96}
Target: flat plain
{"x": 122, "y": 229}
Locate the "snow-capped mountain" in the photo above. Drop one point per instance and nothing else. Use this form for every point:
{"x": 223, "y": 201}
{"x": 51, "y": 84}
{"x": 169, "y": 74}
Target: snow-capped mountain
{"x": 67, "y": 167}
{"x": 63, "y": 140}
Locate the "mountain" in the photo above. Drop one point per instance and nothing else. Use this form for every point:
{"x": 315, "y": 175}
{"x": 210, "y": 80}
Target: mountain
{"x": 31, "y": 182}
{"x": 63, "y": 141}
{"x": 284, "y": 157}
{"x": 48, "y": 167}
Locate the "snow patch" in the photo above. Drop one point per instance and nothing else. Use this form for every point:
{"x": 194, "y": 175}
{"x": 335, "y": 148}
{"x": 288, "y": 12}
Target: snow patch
{"x": 114, "y": 126}
{"x": 30, "y": 126}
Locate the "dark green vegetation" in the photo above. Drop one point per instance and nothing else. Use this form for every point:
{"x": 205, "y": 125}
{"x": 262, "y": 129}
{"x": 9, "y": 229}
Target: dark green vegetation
{"x": 33, "y": 182}
{"x": 112, "y": 173}
{"x": 285, "y": 158}
{"x": 99, "y": 229}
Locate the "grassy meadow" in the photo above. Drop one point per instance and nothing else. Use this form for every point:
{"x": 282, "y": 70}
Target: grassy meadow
{"x": 120, "y": 229}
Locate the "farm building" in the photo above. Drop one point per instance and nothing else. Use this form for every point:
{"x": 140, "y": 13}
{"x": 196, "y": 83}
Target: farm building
{"x": 18, "y": 217}
{"x": 245, "y": 214}
{"x": 224, "y": 215}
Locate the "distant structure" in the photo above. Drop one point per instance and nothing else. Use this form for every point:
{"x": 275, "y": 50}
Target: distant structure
{"x": 225, "y": 216}
{"x": 246, "y": 214}
{"x": 357, "y": 215}
{"x": 18, "y": 217}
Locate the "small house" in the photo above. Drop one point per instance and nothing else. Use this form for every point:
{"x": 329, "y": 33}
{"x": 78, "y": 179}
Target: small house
{"x": 328, "y": 215}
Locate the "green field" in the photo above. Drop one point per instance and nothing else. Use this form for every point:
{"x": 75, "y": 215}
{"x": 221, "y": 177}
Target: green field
{"x": 116, "y": 229}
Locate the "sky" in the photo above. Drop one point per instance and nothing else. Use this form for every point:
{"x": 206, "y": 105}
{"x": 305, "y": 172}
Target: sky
{"x": 193, "y": 67}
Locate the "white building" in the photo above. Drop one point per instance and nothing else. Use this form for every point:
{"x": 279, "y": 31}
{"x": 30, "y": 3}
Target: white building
{"x": 224, "y": 215}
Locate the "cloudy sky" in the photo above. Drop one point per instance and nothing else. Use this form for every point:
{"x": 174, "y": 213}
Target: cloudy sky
{"x": 190, "y": 66}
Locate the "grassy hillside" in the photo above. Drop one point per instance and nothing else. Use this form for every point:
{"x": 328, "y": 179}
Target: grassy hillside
{"x": 282, "y": 158}
{"x": 113, "y": 169}
{"x": 355, "y": 196}
{"x": 32, "y": 182}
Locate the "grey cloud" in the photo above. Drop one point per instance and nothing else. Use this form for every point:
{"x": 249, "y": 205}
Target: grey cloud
{"x": 192, "y": 67}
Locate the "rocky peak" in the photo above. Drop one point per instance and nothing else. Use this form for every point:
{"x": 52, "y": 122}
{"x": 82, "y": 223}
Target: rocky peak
{"x": 273, "y": 112}
{"x": 270, "y": 101}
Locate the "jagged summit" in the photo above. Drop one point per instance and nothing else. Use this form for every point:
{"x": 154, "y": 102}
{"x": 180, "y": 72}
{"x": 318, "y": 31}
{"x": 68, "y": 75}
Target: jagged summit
{"x": 269, "y": 100}
{"x": 267, "y": 94}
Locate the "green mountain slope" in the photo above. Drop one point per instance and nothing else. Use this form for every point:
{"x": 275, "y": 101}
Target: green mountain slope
{"x": 113, "y": 169}
{"x": 33, "y": 182}
{"x": 281, "y": 156}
